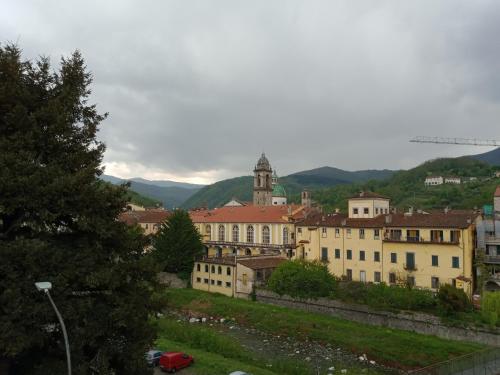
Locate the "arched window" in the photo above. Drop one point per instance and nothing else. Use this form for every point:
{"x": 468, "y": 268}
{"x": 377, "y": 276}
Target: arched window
{"x": 219, "y": 270}
{"x": 228, "y": 271}
{"x": 208, "y": 232}
{"x": 236, "y": 233}
{"x": 222, "y": 233}
{"x": 213, "y": 269}
{"x": 266, "y": 234}
{"x": 250, "y": 234}
{"x": 285, "y": 236}
{"x": 248, "y": 252}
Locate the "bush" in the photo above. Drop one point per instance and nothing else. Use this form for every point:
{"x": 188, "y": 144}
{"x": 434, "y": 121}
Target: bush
{"x": 490, "y": 307}
{"x": 453, "y": 300}
{"x": 302, "y": 279}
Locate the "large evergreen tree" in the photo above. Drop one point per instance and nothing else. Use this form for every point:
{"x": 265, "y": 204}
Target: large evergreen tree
{"x": 58, "y": 223}
{"x": 177, "y": 244}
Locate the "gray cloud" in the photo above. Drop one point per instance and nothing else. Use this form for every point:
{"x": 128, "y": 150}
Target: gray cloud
{"x": 199, "y": 89}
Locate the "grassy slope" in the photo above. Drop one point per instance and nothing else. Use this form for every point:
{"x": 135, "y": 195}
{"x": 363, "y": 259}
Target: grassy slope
{"x": 141, "y": 200}
{"x": 393, "y": 347}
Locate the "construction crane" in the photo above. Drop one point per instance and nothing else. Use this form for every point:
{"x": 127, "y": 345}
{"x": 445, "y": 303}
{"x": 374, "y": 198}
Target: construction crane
{"x": 457, "y": 141}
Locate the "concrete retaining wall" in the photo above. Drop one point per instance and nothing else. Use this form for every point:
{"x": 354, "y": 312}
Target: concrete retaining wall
{"x": 417, "y": 322}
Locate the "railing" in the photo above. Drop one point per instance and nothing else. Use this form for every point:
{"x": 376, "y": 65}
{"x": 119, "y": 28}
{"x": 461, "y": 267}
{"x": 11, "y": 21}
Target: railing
{"x": 492, "y": 259}
{"x": 484, "y": 362}
{"x": 250, "y": 244}
{"x": 410, "y": 266}
{"x": 420, "y": 240}
{"x": 492, "y": 240}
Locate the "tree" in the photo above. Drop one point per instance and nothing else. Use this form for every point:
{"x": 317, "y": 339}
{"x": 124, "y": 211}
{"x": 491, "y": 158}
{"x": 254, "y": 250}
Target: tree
{"x": 453, "y": 300}
{"x": 302, "y": 279}
{"x": 58, "y": 224}
{"x": 177, "y": 244}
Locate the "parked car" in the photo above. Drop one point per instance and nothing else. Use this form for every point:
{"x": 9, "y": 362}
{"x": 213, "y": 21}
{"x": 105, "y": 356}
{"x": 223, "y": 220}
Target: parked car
{"x": 153, "y": 357}
{"x": 173, "y": 361}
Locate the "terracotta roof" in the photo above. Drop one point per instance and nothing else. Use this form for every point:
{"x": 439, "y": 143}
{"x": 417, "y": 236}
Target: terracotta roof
{"x": 149, "y": 216}
{"x": 248, "y": 214}
{"x": 497, "y": 192}
{"x": 368, "y": 194}
{"x": 416, "y": 220}
{"x": 259, "y": 263}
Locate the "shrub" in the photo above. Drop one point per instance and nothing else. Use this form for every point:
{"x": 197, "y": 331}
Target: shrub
{"x": 453, "y": 300}
{"x": 490, "y": 307}
{"x": 302, "y": 279}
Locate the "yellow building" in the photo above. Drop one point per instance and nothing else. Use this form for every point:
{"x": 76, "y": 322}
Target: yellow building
{"x": 232, "y": 275}
{"x": 372, "y": 245}
{"x": 149, "y": 220}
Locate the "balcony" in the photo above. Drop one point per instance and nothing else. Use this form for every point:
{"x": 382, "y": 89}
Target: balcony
{"x": 249, "y": 244}
{"x": 410, "y": 266}
{"x": 492, "y": 259}
{"x": 420, "y": 240}
{"x": 492, "y": 239}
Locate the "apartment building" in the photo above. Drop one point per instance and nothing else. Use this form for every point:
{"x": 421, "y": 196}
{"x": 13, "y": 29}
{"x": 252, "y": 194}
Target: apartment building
{"x": 149, "y": 220}
{"x": 421, "y": 249}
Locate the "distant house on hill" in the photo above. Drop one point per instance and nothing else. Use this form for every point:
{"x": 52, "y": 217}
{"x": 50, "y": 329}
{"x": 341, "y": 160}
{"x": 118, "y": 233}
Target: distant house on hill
{"x": 434, "y": 180}
{"x": 452, "y": 180}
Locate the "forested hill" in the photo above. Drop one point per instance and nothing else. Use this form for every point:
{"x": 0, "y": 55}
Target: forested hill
{"x": 406, "y": 188}
{"x": 241, "y": 187}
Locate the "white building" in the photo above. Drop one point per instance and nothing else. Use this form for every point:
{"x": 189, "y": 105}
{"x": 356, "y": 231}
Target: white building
{"x": 452, "y": 180}
{"x": 434, "y": 180}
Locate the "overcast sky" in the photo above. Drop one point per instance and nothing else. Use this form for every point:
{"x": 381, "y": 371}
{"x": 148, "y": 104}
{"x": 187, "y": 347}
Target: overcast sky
{"x": 196, "y": 90}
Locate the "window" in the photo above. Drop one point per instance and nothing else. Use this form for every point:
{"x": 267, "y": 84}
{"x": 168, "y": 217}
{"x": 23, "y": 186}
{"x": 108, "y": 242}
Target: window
{"x": 349, "y": 254}
{"x": 337, "y": 253}
{"x": 392, "y": 278}
{"x": 348, "y": 233}
{"x": 266, "y": 235}
{"x": 219, "y": 270}
{"x": 376, "y": 210}
{"x": 299, "y": 230}
{"x": 349, "y": 275}
{"x": 213, "y": 269}
{"x": 208, "y": 231}
{"x": 362, "y": 255}
{"x": 244, "y": 279}
{"x": 228, "y": 284}
{"x": 410, "y": 261}
{"x": 376, "y": 256}
{"x": 337, "y": 232}
{"x": 435, "y": 282}
{"x": 236, "y": 233}
{"x": 435, "y": 261}
{"x": 323, "y": 232}
{"x": 376, "y": 234}
{"x": 198, "y": 267}
{"x": 147, "y": 226}
{"x": 324, "y": 254}
{"x": 250, "y": 234}
{"x": 362, "y": 276}
{"x": 455, "y": 236}
{"x": 437, "y": 236}
{"x": 394, "y": 258}
{"x": 198, "y": 279}
{"x": 222, "y": 233}
{"x": 205, "y": 281}
{"x": 412, "y": 235}
{"x": 219, "y": 283}
{"x": 355, "y": 211}
{"x": 212, "y": 282}
{"x": 361, "y": 233}
{"x": 228, "y": 271}
{"x": 410, "y": 281}
{"x": 455, "y": 262}
{"x": 206, "y": 267}
{"x": 285, "y": 236}
{"x": 366, "y": 211}
{"x": 376, "y": 277}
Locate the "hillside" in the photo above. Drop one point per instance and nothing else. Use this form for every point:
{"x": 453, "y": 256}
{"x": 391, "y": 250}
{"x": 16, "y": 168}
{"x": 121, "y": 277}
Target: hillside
{"x": 141, "y": 200}
{"x": 491, "y": 157}
{"x": 406, "y": 188}
{"x": 169, "y": 196}
{"x": 241, "y": 187}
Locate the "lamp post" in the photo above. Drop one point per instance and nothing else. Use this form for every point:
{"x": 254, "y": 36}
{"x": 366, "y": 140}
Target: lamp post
{"x": 45, "y": 286}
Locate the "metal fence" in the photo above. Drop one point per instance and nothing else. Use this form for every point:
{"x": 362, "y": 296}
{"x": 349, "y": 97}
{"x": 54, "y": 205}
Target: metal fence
{"x": 484, "y": 362}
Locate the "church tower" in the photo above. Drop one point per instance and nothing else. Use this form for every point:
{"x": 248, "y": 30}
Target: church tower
{"x": 262, "y": 183}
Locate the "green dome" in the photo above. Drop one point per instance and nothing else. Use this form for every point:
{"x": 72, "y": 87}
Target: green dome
{"x": 279, "y": 191}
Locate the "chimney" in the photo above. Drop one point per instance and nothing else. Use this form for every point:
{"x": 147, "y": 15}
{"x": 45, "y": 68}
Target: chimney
{"x": 388, "y": 219}
{"x": 337, "y": 210}
{"x": 446, "y": 209}
{"x": 344, "y": 222}
{"x": 323, "y": 218}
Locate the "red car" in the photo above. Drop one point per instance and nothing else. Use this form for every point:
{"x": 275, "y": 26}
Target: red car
{"x": 173, "y": 361}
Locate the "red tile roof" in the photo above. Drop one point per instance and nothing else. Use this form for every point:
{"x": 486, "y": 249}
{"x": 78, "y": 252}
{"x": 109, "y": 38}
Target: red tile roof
{"x": 249, "y": 214}
{"x": 149, "y": 216}
{"x": 497, "y": 192}
{"x": 260, "y": 263}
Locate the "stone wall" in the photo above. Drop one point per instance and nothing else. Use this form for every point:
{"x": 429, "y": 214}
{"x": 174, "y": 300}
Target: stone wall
{"x": 417, "y": 322}
{"x": 171, "y": 280}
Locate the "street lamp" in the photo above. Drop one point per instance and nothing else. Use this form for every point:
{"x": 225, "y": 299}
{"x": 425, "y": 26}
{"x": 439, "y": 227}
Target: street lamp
{"x": 45, "y": 286}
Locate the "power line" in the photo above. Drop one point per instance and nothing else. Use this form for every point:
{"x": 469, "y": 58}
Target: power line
{"x": 457, "y": 141}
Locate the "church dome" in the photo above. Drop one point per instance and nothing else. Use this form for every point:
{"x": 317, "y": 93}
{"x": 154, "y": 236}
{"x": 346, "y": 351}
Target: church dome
{"x": 279, "y": 191}
{"x": 263, "y": 163}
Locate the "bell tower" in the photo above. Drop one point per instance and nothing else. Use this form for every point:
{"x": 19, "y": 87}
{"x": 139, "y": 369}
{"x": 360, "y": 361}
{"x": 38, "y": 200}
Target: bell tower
{"x": 262, "y": 183}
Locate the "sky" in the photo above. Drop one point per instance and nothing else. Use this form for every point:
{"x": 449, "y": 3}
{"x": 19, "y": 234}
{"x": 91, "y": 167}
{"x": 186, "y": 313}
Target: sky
{"x": 197, "y": 90}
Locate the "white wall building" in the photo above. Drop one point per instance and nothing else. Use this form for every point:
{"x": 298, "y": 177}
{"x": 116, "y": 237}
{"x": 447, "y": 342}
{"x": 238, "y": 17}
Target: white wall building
{"x": 434, "y": 180}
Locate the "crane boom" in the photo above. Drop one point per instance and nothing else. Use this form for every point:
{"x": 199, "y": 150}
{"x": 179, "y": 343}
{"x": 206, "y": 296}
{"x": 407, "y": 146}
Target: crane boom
{"x": 457, "y": 141}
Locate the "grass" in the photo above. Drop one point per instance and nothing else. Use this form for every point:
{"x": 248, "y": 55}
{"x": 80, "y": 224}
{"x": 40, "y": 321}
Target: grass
{"x": 395, "y": 348}
{"x": 216, "y": 353}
